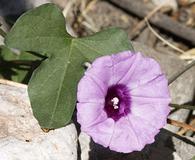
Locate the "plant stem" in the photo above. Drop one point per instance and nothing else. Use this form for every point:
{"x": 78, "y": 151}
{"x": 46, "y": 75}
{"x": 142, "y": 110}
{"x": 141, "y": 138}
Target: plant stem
{"x": 175, "y": 76}
{"x": 184, "y": 130}
{"x": 184, "y": 106}
{"x": 180, "y": 124}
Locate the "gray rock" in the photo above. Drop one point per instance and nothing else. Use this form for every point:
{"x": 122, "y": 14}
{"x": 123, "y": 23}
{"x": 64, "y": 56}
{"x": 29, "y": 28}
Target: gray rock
{"x": 22, "y": 138}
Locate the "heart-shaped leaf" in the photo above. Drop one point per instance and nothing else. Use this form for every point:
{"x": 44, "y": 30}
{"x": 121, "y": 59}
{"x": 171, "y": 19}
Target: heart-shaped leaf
{"x": 53, "y": 85}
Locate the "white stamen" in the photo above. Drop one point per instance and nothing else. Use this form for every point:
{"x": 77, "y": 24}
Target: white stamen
{"x": 115, "y": 107}
{"x": 115, "y": 101}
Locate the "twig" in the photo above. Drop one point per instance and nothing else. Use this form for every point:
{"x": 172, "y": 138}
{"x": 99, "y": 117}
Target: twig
{"x": 186, "y": 2}
{"x": 162, "y": 21}
{"x": 180, "y": 124}
{"x": 12, "y": 83}
{"x": 83, "y": 18}
{"x": 139, "y": 27}
{"x": 88, "y": 7}
{"x": 89, "y": 26}
{"x": 68, "y": 7}
{"x": 2, "y": 33}
{"x": 88, "y": 20}
{"x": 184, "y": 106}
{"x": 188, "y": 55}
{"x": 162, "y": 39}
{"x": 192, "y": 1}
{"x": 174, "y": 77}
{"x": 184, "y": 130}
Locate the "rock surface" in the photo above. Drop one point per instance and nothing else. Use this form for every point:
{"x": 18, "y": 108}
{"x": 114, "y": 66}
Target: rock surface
{"x": 21, "y": 137}
{"x": 171, "y": 3}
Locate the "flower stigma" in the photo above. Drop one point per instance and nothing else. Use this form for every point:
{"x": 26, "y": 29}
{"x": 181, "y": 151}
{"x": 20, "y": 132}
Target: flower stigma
{"x": 115, "y": 102}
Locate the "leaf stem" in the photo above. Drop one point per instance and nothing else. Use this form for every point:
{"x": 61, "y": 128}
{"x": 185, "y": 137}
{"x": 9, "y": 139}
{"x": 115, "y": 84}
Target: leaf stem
{"x": 176, "y": 75}
{"x": 184, "y": 106}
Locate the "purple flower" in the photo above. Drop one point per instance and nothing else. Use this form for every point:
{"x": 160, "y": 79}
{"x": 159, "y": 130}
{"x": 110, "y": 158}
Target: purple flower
{"x": 123, "y": 101}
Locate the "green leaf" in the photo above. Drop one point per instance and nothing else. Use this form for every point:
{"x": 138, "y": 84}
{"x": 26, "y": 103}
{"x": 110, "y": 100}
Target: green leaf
{"x": 53, "y": 85}
{"x": 193, "y": 158}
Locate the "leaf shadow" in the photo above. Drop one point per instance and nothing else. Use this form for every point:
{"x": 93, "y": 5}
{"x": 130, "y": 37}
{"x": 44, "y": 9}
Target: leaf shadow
{"x": 8, "y": 69}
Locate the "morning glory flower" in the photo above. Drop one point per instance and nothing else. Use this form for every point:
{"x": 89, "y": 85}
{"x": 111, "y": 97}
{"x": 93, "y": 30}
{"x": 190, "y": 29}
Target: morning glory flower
{"x": 123, "y": 101}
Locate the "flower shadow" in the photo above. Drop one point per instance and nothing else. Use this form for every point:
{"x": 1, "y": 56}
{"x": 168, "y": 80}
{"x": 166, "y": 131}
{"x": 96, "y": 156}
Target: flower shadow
{"x": 161, "y": 149}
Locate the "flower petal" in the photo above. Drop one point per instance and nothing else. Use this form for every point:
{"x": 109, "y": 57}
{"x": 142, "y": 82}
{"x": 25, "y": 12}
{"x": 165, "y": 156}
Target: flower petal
{"x": 156, "y": 88}
{"x": 124, "y": 138}
{"x": 100, "y": 71}
{"x": 102, "y": 132}
{"x": 122, "y": 63}
{"x": 144, "y": 130}
{"x": 110, "y": 69}
{"x": 145, "y": 69}
{"x": 89, "y": 114}
{"x": 153, "y": 113}
{"x": 89, "y": 91}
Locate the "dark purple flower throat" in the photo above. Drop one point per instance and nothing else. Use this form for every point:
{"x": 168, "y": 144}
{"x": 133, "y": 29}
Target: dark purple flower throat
{"x": 117, "y": 102}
